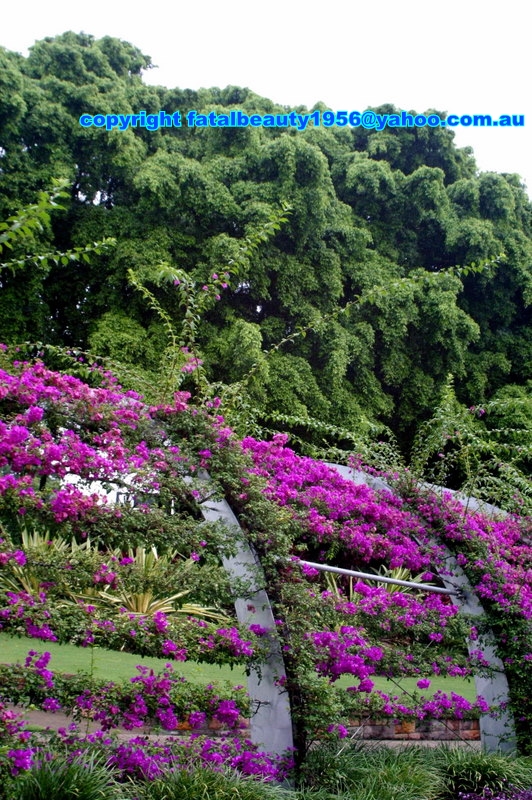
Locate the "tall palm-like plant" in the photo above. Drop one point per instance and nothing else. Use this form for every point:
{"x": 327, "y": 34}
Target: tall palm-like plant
{"x": 28, "y": 578}
{"x": 148, "y": 564}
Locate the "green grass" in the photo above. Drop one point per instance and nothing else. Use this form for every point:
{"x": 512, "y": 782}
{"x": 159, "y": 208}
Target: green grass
{"x": 110, "y": 664}
{"x": 437, "y": 683}
{"x": 116, "y": 666}
{"x": 61, "y": 779}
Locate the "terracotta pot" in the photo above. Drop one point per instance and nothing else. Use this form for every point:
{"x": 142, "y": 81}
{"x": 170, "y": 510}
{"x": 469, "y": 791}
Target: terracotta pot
{"x": 406, "y": 726}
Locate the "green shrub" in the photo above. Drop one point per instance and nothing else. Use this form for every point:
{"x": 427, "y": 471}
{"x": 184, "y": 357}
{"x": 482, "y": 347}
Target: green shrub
{"x": 320, "y": 794}
{"x": 209, "y": 785}
{"x": 57, "y": 779}
{"x": 473, "y": 771}
{"x": 372, "y": 773}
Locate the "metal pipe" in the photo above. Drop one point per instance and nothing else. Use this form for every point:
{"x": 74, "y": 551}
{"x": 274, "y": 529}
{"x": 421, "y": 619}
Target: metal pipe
{"x": 370, "y": 576}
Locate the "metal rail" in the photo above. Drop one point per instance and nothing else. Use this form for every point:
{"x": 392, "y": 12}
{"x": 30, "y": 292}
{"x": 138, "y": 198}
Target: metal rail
{"x": 371, "y": 576}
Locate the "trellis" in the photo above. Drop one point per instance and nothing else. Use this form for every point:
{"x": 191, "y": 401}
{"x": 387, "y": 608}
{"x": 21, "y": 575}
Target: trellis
{"x": 271, "y": 726}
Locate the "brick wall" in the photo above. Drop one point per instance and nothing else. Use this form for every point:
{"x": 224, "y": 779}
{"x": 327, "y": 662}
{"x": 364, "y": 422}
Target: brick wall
{"x": 416, "y": 730}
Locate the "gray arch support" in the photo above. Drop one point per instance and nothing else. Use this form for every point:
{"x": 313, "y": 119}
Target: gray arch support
{"x": 271, "y": 722}
{"x": 497, "y": 734}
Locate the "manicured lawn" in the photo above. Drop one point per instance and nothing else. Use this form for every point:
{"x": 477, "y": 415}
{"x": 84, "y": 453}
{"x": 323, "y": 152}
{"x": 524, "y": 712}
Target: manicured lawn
{"x": 109, "y": 664}
{"x": 117, "y": 666}
{"x": 458, "y": 685}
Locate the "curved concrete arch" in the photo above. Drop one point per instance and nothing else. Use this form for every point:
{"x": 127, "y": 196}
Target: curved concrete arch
{"x": 271, "y": 722}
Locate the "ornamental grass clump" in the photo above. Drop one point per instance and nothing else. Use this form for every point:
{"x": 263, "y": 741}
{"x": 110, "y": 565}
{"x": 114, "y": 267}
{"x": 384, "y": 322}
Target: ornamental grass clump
{"x": 371, "y": 773}
{"x": 58, "y": 777}
{"x": 466, "y": 771}
{"x": 209, "y": 785}
{"x": 365, "y": 772}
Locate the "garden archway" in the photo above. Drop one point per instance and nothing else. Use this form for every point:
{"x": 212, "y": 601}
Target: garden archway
{"x": 271, "y": 725}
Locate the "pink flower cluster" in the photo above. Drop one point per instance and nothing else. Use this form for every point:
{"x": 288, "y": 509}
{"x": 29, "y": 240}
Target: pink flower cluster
{"x": 88, "y": 442}
{"x": 12, "y": 732}
{"x": 330, "y": 508}
{"x": 440, "y": 705}
{"x": 346, "y": 652}
{"x": 60, "y": 438}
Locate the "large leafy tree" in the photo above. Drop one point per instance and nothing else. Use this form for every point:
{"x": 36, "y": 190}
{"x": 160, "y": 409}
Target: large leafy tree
{"x": 378, "y": 221}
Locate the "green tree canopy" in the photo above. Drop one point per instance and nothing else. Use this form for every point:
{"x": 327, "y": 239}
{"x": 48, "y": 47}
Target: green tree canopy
{"x": 378, "y": 221}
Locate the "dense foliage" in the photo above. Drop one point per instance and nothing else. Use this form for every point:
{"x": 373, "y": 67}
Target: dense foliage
{"x": 319, "y": 281}
{"x": 65, "y": 440}
{"x": 384, "y": 216}
{"x": 416, "y": 773}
